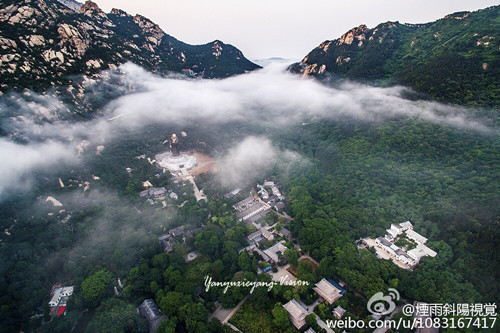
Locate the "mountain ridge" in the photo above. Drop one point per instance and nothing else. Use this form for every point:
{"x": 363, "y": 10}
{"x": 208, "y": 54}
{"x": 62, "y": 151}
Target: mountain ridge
{"x": 44, "y": 42}
{"x": 71, "y": 4}
{"x": 454, "y": 59}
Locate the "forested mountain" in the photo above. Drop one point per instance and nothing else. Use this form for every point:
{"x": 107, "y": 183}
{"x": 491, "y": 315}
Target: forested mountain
{"x": 42, "y": 42}
{"x": 455, "y": 59}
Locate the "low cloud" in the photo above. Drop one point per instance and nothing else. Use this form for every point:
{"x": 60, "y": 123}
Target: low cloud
{"x": 251, "y": 158}
{"x": 112, "y": 226}
{"x": 19, "y": 159}
{"x": 272, "y": 97}
{"x": 38, "y": 130}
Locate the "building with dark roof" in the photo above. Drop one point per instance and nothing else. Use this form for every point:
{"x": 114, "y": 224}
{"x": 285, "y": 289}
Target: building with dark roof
{"x": 181, "y": 231}
{"x": 168, "y": 240}
{"x": 259, "y": 235}
{"x": 152, "y": 314}
{"x": 285, "y": 232}
{"x": 278, "y": 206}
{"x": 153, "y": 192}
{"x": 177, "y": 231}
{"x": 244, "y": 204}
{"x": 167, "y": 243}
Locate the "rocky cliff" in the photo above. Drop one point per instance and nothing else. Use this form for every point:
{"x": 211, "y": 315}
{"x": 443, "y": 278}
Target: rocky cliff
{"x": 454, "y": 59}
{"x": 43, "y": 42}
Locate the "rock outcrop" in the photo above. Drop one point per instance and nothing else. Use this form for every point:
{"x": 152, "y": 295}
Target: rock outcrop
{"x": 42, "y": 42}
{"x": 446, "y": 59}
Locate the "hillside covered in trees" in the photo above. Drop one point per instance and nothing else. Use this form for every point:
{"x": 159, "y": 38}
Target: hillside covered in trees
{"x": 454, "y": 59}
{"x": 359, "y": 179}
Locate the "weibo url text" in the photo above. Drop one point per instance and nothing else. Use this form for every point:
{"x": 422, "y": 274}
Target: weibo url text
{"x": 414, "y": 323}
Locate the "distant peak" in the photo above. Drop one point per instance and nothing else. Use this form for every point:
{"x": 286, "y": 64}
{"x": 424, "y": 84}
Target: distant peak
{"x": 149, "y": 27}
{"x": 140, "y": 18}
{"x": 146, "y": 23}
{"x": 217, "y": 47}
{"x": 89, "y": 8}
{"x": 356, "y": 32}
{"x": 390, "y": 24}
{"x": 457, "y": 15}
{"x": 71, "y": 4}
{"x": 119, "y": 12}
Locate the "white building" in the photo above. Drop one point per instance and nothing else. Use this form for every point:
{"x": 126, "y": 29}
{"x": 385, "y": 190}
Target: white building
{"x": 406, "y": 225}
{"x": 273, "y": 187}
{"x": 416, "y": 236}
{"x": 403, "y": 257}
{"x": 392, "y": 234}
{"x": 264, "y": 194}
{"x": 232, "y": 193}
{"x": 274, "y": 251}
{"x": 385, "y": 245}
{"x": 395, "y": 252}
{"x": 59, "y": 293}
{"x": 421, "y": 251}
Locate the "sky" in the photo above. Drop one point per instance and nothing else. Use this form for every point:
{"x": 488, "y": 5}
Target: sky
{"x": 281, "y": 28}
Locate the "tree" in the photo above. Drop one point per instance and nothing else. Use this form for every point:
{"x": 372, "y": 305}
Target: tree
{"x": 292, "y": 255}
{"x": 154, "y": 287}
{"x": 244, "y": 262}
{"x": 280, "y": 316}
{"x": 311, "y": 319}
{"x": 305, "y": 272}
{"x": 46, "y": 312}
{"x": 61, "y": 324}
{"x": 167, "y": 326}
{"x": 171, "y": 302}
{"x": 192, "y": 314}
{"x": 218, "y": 267}
{"x": 393, "y": 283}
{"x": 260, "y": 296}
{"x": 326, "y": 267}
{"x": 94, "y": 286}
{"x": 133, "y": 187}
{"x": 215, "y": 326}
{"x": 116, "y": 316}
{"x": 172, "y": 277}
